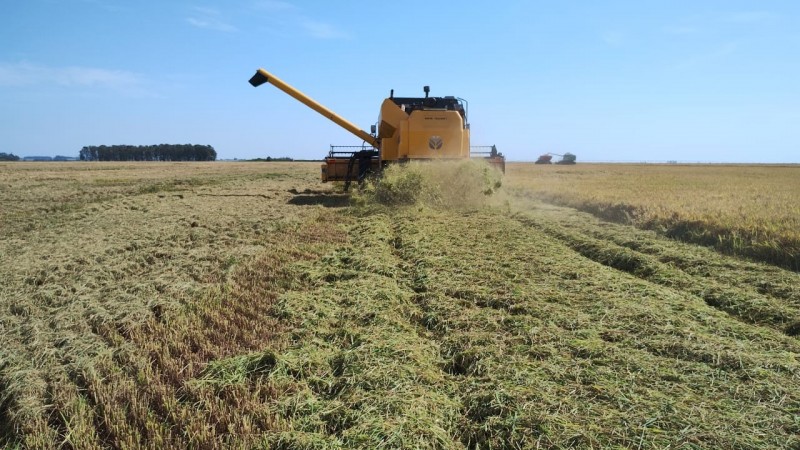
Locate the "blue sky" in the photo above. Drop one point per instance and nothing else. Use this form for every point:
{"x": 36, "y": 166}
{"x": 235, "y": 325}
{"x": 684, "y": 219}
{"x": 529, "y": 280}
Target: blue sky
{"x": 707, "y": 81}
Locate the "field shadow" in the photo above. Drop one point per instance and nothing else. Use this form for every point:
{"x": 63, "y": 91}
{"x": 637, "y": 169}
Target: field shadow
{"x": 325, "y": 198}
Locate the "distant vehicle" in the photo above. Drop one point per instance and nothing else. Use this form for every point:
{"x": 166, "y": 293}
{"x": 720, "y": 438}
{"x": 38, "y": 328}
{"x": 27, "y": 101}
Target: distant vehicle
{"x": 547, "y": 158}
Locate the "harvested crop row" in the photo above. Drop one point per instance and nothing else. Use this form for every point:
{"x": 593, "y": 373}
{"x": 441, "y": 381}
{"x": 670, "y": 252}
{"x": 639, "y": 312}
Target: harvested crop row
{"x": 544, "y": 340}
{"x": 701, "y": 262}
{"x": 752, "y": 303}
{"x": 453, "y": 330}
{"x": 255, "y": 310}
{"x": 110, "y": 302}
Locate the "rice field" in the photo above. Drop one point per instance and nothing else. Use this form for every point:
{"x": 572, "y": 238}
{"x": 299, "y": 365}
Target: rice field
{"x": 246, "y": 305}
{"x": 751, "y": 211}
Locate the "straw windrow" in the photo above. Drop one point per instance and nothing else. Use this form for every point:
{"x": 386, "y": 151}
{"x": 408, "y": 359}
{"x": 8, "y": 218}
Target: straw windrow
{"x": 242, "y": 306}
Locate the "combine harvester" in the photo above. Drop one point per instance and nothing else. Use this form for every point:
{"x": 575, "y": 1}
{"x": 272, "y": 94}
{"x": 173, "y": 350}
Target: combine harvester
{"x": 409, "y": 128}
{"x": 547, "y": 158}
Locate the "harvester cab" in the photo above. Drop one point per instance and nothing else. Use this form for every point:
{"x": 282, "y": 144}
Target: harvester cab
{"x": 409, "y": 128}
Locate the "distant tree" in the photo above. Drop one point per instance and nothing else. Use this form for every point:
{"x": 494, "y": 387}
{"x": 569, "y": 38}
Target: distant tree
{"x": 160, "y": 152}
{"x": 270, "y": 158}
{"x": 8, "y": 157}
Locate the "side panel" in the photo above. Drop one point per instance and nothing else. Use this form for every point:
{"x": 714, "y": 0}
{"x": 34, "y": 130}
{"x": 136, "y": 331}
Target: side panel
{"x": 390, "y": 123}
{"x": 390, "y": 117}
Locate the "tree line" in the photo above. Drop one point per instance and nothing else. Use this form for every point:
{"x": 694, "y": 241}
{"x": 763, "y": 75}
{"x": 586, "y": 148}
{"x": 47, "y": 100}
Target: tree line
{"x": 161, "y": 152}
{"x": 8, "y": 157}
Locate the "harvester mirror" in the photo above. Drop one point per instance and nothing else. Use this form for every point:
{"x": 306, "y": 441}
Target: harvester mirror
{"x": 373, "y": 129}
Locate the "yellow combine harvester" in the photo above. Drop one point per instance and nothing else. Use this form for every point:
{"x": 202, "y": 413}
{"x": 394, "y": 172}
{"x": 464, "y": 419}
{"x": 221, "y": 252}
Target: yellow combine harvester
{"x": 409, "y": 128}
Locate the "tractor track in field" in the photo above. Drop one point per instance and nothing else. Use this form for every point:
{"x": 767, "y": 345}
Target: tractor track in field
{"x": 459, "y": 361}
{"x": 757, "y": 294}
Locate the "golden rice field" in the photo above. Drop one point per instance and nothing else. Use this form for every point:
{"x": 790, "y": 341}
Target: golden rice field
{"x": 751, "y": 211}
{"x": 246, "y": 305}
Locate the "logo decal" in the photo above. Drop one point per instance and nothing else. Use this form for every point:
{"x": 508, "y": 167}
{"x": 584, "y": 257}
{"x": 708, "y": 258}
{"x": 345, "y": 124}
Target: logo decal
{"x": 435, "y": 142}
